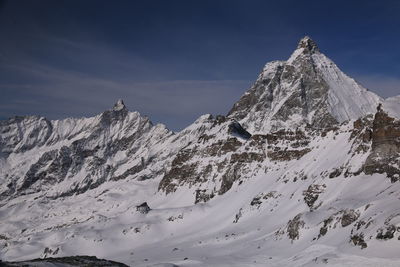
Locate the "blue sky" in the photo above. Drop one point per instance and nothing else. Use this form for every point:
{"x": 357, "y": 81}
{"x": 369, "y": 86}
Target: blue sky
{"x": 175, "y": 60}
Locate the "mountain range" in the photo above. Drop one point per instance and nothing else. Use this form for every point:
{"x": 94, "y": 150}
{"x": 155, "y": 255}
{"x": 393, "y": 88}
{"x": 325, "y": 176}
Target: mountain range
{"x": 304, "y": 170}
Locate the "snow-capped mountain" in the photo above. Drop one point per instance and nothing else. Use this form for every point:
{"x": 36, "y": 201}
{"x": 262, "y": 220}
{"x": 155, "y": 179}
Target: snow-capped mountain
{"x": 65, "y": 157}
{"x": 302, "y": 171}
{"x": 308, "y": 88}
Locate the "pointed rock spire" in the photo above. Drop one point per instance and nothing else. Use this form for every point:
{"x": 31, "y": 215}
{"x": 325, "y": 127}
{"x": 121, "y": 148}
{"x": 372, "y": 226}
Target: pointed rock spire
{"x": 307, "y": 43}
{"x": 307, "y": 89}
{"x": 119, "y": 105}
{"x": 118, "y": 112}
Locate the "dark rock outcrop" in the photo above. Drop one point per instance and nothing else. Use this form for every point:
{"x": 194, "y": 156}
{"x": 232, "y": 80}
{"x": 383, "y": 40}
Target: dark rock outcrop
{"x": 358, "y": 240}
{"x": 143, "y": 208}
{"x": 83, "y": 261}
{"x": 286, "y": 145}
{"x": 227, "y": 157}
{"x": 385, "y": 148}
{"x": 294, "y": 226}
{"x": 237, "y": 129}
{"x": 349, "y": 216}
{"x": 307, "y": 98}
{"x": 312, "y": 193}
{"x": 387, "y": 232}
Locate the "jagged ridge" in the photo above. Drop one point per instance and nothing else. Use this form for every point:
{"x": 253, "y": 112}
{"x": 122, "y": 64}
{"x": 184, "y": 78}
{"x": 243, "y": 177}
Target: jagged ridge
{"x": 308, "y": 88}
{"x": 280, "y": 176}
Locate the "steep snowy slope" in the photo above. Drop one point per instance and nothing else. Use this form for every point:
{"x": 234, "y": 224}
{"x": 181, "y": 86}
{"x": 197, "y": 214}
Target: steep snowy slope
{"x": 304, "y": 171}
{"x": 298, "y": 212}
{"x": 308, "y": 88}
{"x": 65, "y": 157}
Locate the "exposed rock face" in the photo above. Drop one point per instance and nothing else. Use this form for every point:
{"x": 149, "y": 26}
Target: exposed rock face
{"x": 119, "y": 105}
{"x": 358, "y": 240}
{"x": 312, "y": 193}
{"x": 285, "y": 159}
{"x": 236, "y": 129}
{"x": 308, "y": 45}
{"x": 362, "y": 134}
{"x": 294, "y": 226}
{"x": 386, "y": 233}
{"x": 285, "y": 145}
{"x": 203, "y": 196}
{"x": 343, "y": 217}
{"x": 385, "y": 154}
{"x": 308, "y": 88}
{"x": 20, "y": 134}
{"x": 64, "y": 150}
{"x": 143, "y": 208}
{"x": 226, "y": 153}
{"x": 295, "y": 94}
{"x": 65, "y": 261}
{"x": 349, "y": 217}
{"x": 324, "y": 229}
{"x": 229, "y": 151}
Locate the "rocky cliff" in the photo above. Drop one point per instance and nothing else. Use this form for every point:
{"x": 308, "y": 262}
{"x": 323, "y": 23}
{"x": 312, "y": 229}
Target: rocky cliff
{"x": 303, "y": 170}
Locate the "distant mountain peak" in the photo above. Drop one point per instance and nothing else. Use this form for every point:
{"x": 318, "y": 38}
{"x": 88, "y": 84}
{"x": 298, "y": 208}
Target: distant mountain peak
{"x": 119, "y": 105}
{"x": 307, "y": 43}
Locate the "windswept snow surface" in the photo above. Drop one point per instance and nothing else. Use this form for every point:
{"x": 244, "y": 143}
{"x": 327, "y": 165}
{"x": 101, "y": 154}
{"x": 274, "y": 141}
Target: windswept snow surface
{"x": 104, "y": 221}
{"x": 347, "y": 99}
{"x": 295, "y": 193}
{"x": 304, "y": 89}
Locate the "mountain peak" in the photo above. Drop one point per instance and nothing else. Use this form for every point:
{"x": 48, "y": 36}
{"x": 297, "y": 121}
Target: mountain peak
{"x": 119, "y": 105}
{"x": 307, "y": 43}
{"x": 307, "y": 89}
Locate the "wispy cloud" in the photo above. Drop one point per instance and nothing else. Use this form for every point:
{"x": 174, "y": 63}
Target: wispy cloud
{"x": 75, "y": 78}
{"x": 65, "y": 78}
{"x": 59, "y": 93}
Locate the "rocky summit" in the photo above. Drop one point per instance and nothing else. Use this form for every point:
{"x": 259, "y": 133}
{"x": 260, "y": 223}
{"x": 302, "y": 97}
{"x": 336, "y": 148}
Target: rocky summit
{"x": 307, "y": 89}
{"x": 304, "y": 170}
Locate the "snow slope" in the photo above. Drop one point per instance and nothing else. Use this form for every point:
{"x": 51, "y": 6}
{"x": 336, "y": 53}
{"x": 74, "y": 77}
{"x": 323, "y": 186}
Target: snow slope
{"x": 104, "y": 221}
{"x": 303, "y": 89}
{"x": 304, "y": 171}
{"x": 347, "y": 100}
